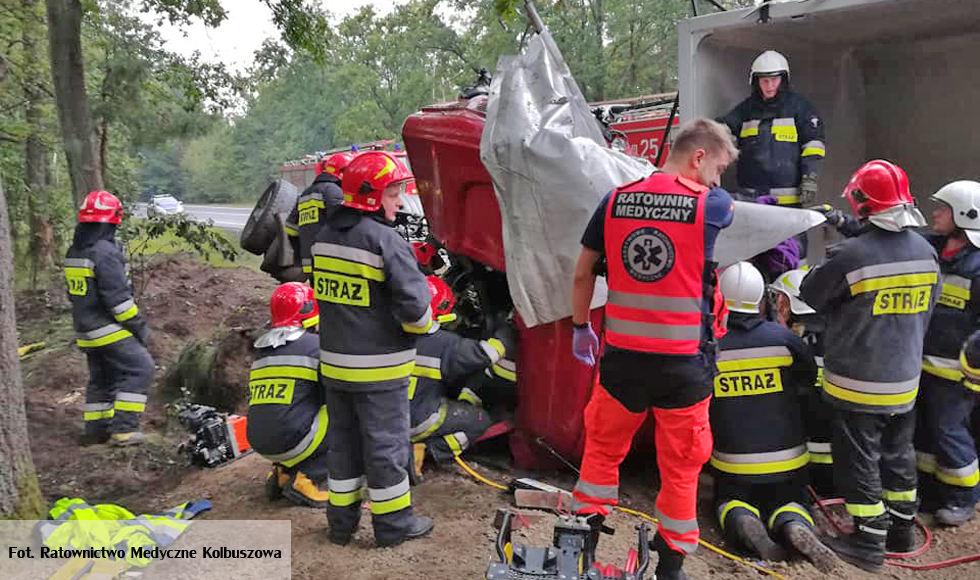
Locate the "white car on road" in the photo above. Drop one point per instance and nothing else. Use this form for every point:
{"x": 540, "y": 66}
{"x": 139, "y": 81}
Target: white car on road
{"x": 165, "y": 204}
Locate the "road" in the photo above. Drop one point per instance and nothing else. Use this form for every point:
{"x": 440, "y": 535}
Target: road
{"x": 229, "y": 218}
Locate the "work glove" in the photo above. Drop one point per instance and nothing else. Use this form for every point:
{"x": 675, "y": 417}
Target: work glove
{"x": 808, "y": 188}
{"x": 585, "y": 344}
{"x": 783, "y": 258}
{"x": 767, "y": 200}
{"x": 835, "y": 217}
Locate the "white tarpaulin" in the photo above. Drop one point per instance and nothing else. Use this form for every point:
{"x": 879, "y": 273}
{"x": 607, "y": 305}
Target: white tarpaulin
{"x": 550, "y": 167}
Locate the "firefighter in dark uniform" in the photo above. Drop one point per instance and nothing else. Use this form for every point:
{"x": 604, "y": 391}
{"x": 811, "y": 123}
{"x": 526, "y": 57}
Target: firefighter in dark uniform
{"x": 443, "y": 364}
{"x": 780, "y": 136}
{"x": 287, "y": 418}
{"x": 110, "y": 329}
{"x": 760, "y": 455}
{"x": 315, "y": 204}
{"x": 658, "y": 238}
{"x": 945, "y": 447}
{"x": 371, "y": 290}
{"x": 876, "y": 292}
{"x": 790, "y": 311}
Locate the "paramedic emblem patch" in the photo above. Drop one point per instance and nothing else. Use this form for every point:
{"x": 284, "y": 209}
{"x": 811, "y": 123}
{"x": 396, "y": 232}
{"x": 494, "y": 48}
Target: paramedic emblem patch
{"x": 648, "y": 254}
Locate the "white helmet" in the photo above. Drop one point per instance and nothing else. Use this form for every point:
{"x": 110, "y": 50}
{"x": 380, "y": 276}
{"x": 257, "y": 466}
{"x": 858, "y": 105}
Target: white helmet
{"x": 743, "y": 287}
{"x": 964, "y": 199}
{"x": 789, "y": 284}
{"x": 769, "y": 63}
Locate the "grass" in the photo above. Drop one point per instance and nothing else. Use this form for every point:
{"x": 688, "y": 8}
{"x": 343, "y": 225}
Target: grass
{"x": 171, "y": 244}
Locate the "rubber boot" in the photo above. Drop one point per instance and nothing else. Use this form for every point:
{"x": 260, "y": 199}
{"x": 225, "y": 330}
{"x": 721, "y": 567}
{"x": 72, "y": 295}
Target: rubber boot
{"x": 670, "y": 564}
{"x": 127, "y": 439}
{"x": 276, "y": 479}
{"x": 752, "y": 534}
{"x": 804, "y": 541}
{"x": 343, "y": 537}
{"x": 865, "y": 548}
{"x": 420, "y": 527}
{"x": 955, "y": 515}
{"x": 901, "y": 536}
{"x": 302, "y": 491}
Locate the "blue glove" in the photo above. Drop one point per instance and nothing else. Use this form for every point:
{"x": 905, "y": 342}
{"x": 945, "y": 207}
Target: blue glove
{"x": 585, "y": 345}
{"x": 767, "y": 200}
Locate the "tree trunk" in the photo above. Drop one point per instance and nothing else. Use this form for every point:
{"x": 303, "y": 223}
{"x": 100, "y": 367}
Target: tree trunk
{"x": 68, "y": 71}
{"x": 20, "y": 492}
{"x": 37, "y": 170}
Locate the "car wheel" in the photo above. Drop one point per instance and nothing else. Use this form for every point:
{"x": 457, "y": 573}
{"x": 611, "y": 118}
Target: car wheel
{"x": 262, "y": 226}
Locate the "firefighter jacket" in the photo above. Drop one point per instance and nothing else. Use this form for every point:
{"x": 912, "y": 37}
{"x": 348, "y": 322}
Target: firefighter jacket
{"x": 445, "y": 358}
{"x": 764, "y": 371}
{"x": 970, "y": 362}
{"x": 75, "y": 524}
{"x": 780, "y": 140}
{"x": 654, "y": 238}
{"x": 98, "y": 287}
{"x": 287, "y": 417}
{"x": 369, "y": 287}
{"x": 310, "y": 213}
{"x": 876, "y": 292}
{"x": 956, "y": 313}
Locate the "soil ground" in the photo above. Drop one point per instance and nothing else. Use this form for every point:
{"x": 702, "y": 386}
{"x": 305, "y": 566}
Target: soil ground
{"x": 187, "y": 300}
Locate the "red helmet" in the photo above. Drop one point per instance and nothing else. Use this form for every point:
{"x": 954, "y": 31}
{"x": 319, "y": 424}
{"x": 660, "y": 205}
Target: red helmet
{"x": 335, "y": 164}
{"x": 877, "y": 186}
{"x": 293, "y": 304}
{"x": 443, "y": 300}
{"x": 424, "y": 252}
{"x": 368, "y": 175}
{"x": 101, "y": 206}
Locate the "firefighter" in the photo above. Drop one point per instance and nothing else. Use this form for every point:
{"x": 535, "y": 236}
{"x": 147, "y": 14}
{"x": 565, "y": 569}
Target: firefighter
{"x": 876, "y": 292}
{"x": 111, "y": 330}
{"x": 790, "y": 311}
{"x": 445, "y": 360}
{"x": 659, "y": 332}
{"x": 369, "y": 286}
{"x": 315, "y": 204}
{"x": 780, "y": 136}
{"x": 287, "y": 419}
{"x": 945, "y": 448}
{"x": 761, "y": 464}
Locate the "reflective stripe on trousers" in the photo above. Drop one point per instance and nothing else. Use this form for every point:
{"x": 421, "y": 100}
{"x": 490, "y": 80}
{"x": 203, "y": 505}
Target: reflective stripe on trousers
{"x": 390, "y": 499}
{"x": 346, "y": 492}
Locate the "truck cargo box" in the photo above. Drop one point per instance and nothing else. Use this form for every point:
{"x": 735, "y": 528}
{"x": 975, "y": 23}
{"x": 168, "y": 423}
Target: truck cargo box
{"x": 893, "y": 79}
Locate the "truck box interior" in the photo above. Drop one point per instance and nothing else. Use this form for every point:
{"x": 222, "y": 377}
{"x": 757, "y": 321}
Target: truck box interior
{"x": 892, "y": 79}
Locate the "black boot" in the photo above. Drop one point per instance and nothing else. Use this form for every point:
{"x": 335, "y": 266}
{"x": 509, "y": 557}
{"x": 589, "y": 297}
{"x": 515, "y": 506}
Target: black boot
{"x": 670, "y": 564}
{"x": 752, "y": 534}
{"x": 419, "y": 527}
{"x": 804, "y": 541}
{"x": 865, "y": 548}
{"x": 901, "y": 534}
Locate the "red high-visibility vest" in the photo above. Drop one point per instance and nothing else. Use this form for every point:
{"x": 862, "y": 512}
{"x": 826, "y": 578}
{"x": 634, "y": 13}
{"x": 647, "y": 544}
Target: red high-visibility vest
{"x": 654, "y": 241}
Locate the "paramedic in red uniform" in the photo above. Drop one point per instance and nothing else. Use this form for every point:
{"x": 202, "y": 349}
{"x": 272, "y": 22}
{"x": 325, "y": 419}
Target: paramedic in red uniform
{"x": 658, "y": 236}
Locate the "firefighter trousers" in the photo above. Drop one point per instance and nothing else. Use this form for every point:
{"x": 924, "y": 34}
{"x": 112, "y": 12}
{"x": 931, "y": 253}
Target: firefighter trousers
{"x": 683, "y": 441}
{"x": 775, "y": 503}
{"x": 464, "y": 424}
{"x": 945, "y": 449}
{"x": 874, "y": 463}
{"x": 120, "y": 375}
{"x": 369, "y": 445}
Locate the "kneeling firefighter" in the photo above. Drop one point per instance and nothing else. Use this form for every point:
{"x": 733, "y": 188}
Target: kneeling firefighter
{"x": 760, "y": 455}
{"x": 445, "y": 360}
{"x": 287, "y": 417}
{"x": 111, "y": 331}
{"x": 792, "y": 312}
{"x": 947, "y": 455}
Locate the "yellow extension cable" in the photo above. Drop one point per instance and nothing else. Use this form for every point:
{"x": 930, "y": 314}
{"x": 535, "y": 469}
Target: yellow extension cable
{"x": 638, "y": 514}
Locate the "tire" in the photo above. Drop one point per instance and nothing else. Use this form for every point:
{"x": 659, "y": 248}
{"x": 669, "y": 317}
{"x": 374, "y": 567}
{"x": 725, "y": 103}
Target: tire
{"x": 261, "y": 227}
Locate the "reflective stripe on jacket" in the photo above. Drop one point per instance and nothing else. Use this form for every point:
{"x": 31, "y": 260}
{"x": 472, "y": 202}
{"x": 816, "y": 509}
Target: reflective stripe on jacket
{"x": 654, "y": 244}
